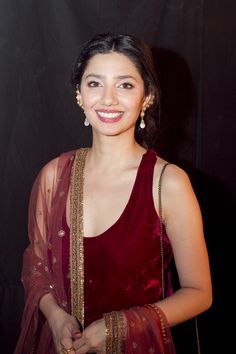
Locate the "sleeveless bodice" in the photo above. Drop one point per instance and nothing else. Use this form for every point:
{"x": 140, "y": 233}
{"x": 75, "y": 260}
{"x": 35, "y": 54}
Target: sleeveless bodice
{"x": 123, "y": 264}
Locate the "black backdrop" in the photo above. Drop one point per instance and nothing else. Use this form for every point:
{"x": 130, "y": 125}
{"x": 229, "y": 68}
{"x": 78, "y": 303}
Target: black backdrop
{"x": 193, "y": 44}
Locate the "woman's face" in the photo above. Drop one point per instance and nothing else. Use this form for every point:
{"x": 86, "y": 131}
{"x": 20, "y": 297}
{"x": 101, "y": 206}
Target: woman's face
{"x": 112, "y": 93}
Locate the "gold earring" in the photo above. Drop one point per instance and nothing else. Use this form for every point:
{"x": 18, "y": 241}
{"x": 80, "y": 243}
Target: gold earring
{"x": 78, "y": 99}
{"x": 142, "y": 114}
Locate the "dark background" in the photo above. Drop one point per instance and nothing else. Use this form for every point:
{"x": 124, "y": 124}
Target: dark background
{"x": 194, "y": 46}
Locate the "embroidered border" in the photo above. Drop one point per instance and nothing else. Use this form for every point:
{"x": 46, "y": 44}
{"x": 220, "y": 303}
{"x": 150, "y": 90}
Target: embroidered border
{"x": 77, "y": 235}
{"x": 115, "y": 332}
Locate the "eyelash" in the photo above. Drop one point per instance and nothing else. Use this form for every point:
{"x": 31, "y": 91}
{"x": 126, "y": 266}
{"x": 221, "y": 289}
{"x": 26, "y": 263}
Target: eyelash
{"x": 93, "y": 84}
{"x": 124, "y": 85}
{"x": 127, "y": 85}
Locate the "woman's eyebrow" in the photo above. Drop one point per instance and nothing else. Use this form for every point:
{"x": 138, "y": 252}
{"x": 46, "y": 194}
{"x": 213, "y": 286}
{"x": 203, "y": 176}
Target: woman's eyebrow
{"x": 95, "y": 75}
{"x": 119, "y": 77}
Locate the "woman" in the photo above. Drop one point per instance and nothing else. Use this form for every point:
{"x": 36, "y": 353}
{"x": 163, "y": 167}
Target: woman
{"x": 96, "y": 272}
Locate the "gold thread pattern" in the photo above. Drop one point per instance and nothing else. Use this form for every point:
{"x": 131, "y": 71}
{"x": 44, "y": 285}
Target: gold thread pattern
{"x": 108, "y": 332}
{"x": 115, "y": 332}
{"x": 77, "y": 236}
{"x": 162, "y": 322}
{"x": 121, "y": 332}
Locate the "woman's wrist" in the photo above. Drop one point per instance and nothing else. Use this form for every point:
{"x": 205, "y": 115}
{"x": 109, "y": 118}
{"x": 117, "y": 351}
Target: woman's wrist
{"x": 50, "y": 309}
{"x": 150, "y": 323}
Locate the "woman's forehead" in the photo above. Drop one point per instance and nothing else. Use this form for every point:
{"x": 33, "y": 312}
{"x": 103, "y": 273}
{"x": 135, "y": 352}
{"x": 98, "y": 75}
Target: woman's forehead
{"x": 111, "y": 63}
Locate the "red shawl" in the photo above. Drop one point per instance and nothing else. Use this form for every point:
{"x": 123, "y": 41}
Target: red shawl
{"x": 42, "y": 265}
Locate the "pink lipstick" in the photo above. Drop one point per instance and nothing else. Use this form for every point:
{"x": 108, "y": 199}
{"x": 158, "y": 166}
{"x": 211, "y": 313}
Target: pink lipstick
{"x": 109, "y": 115}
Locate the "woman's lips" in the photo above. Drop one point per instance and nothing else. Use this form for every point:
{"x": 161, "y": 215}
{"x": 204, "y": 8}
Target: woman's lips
{"x": 109, "y": 116}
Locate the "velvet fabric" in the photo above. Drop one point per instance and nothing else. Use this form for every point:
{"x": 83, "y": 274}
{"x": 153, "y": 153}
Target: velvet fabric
{"x": 122, "y": 265}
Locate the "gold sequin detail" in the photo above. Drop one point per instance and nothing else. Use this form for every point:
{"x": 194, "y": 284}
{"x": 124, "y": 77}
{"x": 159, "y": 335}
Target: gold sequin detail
{"x": 77, "y": 236}
{"x": 64, "y": 303}
{"x": 115, "y": 332}
{"x": 132, "y": 324}
{"x": 61, "y": 233}
{"x": 162, "y": 322}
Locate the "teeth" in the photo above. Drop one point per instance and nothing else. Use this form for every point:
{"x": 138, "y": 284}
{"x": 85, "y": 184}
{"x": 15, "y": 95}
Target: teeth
{"x": 109, "y": 115}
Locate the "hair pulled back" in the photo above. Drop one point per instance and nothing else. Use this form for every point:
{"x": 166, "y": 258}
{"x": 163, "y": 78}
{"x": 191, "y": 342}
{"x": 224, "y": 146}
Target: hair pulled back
{"x": 141, "y": 56}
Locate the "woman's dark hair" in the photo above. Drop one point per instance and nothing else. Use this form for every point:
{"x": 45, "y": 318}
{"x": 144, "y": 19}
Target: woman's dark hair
{"x": 141, "y": 56}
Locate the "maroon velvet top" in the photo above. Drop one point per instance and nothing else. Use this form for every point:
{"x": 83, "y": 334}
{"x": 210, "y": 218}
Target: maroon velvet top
{"x": 123, "y": 264}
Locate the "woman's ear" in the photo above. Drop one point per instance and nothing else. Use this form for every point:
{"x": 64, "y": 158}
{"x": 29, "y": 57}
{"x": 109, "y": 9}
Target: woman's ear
{"x": 78, "y": 98}
{"x": 148, "y": 100}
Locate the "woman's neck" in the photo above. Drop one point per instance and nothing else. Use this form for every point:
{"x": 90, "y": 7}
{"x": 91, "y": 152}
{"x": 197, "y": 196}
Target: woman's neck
{"x": 113, "y": 152}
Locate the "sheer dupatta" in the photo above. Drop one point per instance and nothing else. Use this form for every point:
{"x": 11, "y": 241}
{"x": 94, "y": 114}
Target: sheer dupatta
{"x": 42, "y": 265}
{"x": 147, "y": 331}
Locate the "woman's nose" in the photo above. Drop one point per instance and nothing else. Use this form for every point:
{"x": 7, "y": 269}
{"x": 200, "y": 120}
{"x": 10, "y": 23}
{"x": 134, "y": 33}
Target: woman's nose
{"x": 109, "y": 97}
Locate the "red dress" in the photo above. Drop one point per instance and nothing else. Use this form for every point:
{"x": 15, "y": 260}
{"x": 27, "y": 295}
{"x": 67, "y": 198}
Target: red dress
{"x": 123, "y": 264}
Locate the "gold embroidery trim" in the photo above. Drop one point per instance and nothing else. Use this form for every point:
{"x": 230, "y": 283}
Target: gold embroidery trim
{"x": 77, "y": 236}
{"x": 115, "y": 332}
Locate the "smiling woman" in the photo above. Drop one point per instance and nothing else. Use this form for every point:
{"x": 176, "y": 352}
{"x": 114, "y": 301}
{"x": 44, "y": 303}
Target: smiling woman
{"x": 112, "y": 91}
{"x": 103, "y": 228}
{"x": 138, "y": 57}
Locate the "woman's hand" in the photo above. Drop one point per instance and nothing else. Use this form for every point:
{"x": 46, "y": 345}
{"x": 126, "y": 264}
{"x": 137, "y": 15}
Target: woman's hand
{"x": 64, "y": 329}
{"x": 93, "y": 339}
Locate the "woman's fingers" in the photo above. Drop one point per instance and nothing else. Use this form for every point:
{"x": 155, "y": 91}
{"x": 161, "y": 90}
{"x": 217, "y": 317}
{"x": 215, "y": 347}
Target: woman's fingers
{"x": 83, "y": 349}
{"x": 67, "y": 341}
{"x": 92, "y": 339}
{"x": 77, "y": 334}
{"x": 66, "y": 351}
{"x": 67, "y": 346}
{"x": 79, "y": 343}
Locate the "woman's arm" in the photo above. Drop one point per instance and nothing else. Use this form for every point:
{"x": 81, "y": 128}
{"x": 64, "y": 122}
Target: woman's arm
{"x": 63, "y": 326}
{"x": 38, "y": 280}
{"x": 183, "y": 222}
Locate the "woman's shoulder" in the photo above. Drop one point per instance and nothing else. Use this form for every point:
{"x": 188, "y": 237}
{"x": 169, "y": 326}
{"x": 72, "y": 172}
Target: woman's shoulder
{"x": 175, "y": 185}
{"x": 174, "y": 177}
{"x": 51, "y": 169}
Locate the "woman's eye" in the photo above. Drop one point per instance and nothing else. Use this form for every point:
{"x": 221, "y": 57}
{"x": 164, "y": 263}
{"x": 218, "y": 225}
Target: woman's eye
{"x": 93, "y": 84}
{"x": 126, "y": 85}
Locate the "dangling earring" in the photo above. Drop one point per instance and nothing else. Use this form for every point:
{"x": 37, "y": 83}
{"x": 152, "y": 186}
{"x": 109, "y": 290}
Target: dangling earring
{"x": 86, "y": 122}
{"x": 142, "y": 124}
{"x": 78, "y": 99}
